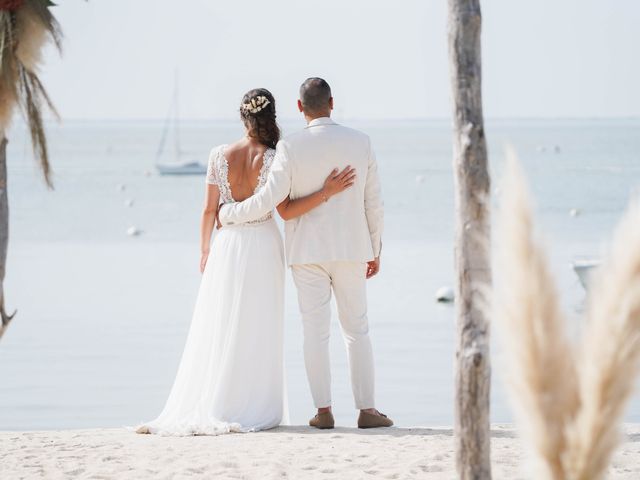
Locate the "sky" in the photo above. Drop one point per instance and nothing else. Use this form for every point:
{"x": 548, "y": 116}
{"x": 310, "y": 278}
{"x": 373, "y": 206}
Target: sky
{"x": 383, "y": 59}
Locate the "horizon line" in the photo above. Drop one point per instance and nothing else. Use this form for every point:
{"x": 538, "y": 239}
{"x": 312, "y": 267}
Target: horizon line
{"x": 338, "y": 117}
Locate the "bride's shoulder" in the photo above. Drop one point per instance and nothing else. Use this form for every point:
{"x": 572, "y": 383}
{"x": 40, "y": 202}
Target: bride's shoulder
{"x": 218, "y": 149}
{"x": 217, "y": 152}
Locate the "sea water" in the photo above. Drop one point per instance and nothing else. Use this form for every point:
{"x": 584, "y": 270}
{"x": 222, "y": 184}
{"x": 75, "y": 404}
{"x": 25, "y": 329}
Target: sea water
{"x": 103, "y": 316}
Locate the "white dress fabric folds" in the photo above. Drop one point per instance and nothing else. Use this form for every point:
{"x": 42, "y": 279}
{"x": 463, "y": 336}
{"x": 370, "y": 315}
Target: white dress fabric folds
{"x": 231, "y": 376}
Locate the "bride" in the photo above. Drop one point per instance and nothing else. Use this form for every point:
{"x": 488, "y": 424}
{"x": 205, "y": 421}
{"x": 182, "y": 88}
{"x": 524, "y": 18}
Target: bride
{"x": 231, "y": 377}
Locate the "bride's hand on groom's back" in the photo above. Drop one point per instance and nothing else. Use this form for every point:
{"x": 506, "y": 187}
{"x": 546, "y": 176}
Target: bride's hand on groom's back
{"x": 339, "y": 182}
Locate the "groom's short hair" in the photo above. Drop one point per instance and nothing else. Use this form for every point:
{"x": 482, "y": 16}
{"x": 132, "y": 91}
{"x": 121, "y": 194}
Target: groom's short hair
{"x": 315, "y": 94}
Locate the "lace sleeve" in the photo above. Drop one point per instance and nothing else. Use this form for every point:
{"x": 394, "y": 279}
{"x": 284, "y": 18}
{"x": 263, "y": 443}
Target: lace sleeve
{"x": 213, "y": 178}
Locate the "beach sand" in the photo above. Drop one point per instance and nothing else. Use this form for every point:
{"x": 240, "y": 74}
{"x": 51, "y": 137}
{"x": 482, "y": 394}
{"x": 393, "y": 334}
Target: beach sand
{"x": 281, "y": 453}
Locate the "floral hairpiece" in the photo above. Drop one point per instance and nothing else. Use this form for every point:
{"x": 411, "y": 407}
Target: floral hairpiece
{"x": 256, "y": 104}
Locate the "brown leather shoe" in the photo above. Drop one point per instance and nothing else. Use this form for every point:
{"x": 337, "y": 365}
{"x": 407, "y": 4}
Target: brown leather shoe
{"x": 323, "y": 421}
{"x": 368, "y": 420}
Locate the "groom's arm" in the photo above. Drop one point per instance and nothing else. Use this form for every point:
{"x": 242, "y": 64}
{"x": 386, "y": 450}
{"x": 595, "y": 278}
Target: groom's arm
{"x": 373, "y": 204}
{"x": 274, "y": 191}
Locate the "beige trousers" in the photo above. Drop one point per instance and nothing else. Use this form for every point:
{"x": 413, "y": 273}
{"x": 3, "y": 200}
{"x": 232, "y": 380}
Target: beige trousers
{"x": 315, "y": 282}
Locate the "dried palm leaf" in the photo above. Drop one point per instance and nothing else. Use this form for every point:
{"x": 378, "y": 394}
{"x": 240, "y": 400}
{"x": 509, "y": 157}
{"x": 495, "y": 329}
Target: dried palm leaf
{"x": 24, "y": 33}
{"x": 35, "y": 27}
{"x": 8, "y": 69}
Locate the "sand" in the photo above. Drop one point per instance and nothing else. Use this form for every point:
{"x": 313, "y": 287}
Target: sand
{"x": 281, "y": 453}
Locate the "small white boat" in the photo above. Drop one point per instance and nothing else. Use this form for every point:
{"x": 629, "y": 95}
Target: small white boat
{"x": 133, "y": 231}
{"x": 179, "y": 165}
{"x": 445, "y": 294}
{"x": 184, "y": 168}
{"x": 584, "y": 269}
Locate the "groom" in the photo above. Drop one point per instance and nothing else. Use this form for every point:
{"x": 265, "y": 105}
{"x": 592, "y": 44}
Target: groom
{"x": 334, "y": 247}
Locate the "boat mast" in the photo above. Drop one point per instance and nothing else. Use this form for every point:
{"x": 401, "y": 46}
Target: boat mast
{"x": 171, "y": 123}
{"x": 176, "y": 119}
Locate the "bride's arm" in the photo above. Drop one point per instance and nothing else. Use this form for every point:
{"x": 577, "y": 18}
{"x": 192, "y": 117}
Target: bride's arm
{"x": 211, "y": 199}
{"x": 335, "y": 183}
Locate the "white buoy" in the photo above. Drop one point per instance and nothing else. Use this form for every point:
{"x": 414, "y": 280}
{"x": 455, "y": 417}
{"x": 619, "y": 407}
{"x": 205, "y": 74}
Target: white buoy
{"x": 128, "y": 202}
{"x": 574, "y": 212}
{"x": 121, "y": 187}
{"x": 420, "y": 179}
{"x": 147, "y": 173}
{"x": 445, "y": 295}
{"x": 133, "y": 231}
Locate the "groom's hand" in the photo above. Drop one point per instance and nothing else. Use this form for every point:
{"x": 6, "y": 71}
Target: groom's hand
{"x": 373, "y": 267}
{"x": 217, "y": 222}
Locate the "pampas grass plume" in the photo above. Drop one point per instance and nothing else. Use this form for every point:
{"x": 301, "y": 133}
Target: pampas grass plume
{"x": 609, "y": 360}
{"x": 542, "y": 376}
{"x": 570, "y": 403}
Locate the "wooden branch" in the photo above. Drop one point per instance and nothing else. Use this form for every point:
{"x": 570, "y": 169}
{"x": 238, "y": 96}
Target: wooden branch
{"x": 472, "y": 239}
{"x": 4, "y": 233}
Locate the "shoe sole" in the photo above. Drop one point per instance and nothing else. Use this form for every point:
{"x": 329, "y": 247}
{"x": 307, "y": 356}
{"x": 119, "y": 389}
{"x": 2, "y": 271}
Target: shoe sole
{"x": 322, "y": 428}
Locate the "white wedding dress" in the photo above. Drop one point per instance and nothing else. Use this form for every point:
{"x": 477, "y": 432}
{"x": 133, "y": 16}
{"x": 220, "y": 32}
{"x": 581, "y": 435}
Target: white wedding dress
{"x": 231, "y": 376}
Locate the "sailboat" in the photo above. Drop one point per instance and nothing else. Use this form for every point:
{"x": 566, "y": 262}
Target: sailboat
{"x": 584, "y": 269}
{"x": 179, "y": 165}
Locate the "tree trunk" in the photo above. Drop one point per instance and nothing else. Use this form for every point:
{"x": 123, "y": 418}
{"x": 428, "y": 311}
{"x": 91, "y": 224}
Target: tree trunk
{"x": 4, "y": 232}
{"x": 472, "y": 251}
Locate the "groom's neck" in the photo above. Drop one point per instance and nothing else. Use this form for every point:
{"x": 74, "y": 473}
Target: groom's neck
{"x": 309, "y": 117}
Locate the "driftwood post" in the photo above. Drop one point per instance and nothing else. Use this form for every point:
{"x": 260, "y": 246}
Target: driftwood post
{"x": 4, "y": 232}
{"x": 472, "y": 252}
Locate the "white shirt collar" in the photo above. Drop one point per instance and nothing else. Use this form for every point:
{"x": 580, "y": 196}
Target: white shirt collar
{"x": 320, "y": 121}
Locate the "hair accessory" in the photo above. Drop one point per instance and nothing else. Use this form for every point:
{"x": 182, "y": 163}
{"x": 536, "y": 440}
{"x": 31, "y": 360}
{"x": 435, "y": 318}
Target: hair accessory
{"x": 256, "y": 104}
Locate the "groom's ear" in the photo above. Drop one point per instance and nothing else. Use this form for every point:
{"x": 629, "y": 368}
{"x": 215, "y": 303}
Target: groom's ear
{"x": 300, "y": 106}
{"x": 331, "y": 103}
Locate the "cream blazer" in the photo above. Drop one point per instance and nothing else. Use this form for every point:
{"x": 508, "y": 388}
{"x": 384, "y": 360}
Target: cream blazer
{"x": 349, "y": 226}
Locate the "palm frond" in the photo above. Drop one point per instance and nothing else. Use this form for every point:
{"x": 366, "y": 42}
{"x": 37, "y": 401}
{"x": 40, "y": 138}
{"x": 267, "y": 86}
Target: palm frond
{"x": 42, "y": 9}
{"x": 32, "y": 95}
{"x": 8, "y": 69}
{"x": 24, "y": 33}
{"x": 36, "y": 26}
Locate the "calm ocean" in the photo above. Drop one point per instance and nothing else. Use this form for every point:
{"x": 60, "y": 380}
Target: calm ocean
{"x": 102, "y": 317}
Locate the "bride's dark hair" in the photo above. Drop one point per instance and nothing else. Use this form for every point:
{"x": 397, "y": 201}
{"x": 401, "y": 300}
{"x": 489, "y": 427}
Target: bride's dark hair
{"x": 258, "y": 113}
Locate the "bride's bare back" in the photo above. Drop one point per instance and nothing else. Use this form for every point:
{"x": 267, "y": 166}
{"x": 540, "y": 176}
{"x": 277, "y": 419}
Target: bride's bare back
{"x": 245, "y": 160}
